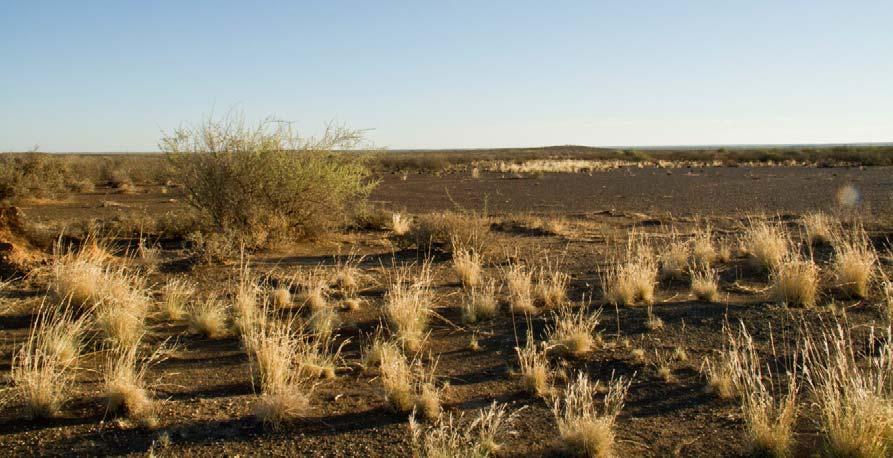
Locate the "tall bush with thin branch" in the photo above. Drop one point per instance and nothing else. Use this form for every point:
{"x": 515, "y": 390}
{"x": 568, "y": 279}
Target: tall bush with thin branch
{"x": 264, "y": 184}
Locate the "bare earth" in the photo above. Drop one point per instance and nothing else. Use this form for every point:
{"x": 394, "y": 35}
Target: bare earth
{"x": 205, "y": 391}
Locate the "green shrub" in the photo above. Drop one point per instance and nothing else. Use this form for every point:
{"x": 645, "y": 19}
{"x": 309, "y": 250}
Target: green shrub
{"x": 32, "y": 175}
{"x": 265, "y": 184}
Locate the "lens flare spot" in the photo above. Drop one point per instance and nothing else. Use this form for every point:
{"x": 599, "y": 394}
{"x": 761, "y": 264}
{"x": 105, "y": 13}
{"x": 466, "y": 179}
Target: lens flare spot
{"x": 848, "y": 196}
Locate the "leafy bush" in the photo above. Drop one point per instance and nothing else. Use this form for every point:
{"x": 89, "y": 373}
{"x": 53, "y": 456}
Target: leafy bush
{"x": 263, "y": 185}
{"x": 32, "y": 175}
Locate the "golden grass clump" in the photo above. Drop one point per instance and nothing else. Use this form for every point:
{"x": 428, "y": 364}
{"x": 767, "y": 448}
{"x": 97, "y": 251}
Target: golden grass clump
{"x": 674, "y": 260}
{"x": 408, "y": 306}
{"x": 378, "y": 350}
{"x": 768, "y": 400}
{"x": 704, "y": 285}
{"x": 126, "y": 388}
{"x": 652, "y": 321}
{"x": 323, "y": 322}
{"x": 409, "y": 386}
{"x": 584, "y": 428}
{"x": 176, "y": 296}
{"x": 722, "y": 372}
{"x": 819, "y": 228}
{"x": 400, "y": 225}
{"x": 480, "y": 303}
{"x": 632, "y": 280}
{"x": 795, "y": 281}
{"x": 209, "y": 318}
{"x": 703, "y": 250}
{"x": 347, "y": 277}
{"x": 854, "y": 263}
{"x": 551, "y": 287}
{"x": 281, "y": 297}
{"x": 445, "y": 438}
{"x": 854, "y": 398}
{"x": 573, "y": 333}
{"x": 272, "y": 348}
{"x": 536, "y": 375}
{"x": 767, "y": 245}
{"x": 42, "y": 370}
{"x": 315, "y": 289}
{"x": 519, "y": 283}
{"x": 467, "y": 265}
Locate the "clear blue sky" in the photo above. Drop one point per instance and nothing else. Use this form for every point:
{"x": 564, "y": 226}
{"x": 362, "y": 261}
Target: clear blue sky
{"x": 112, "y": 75}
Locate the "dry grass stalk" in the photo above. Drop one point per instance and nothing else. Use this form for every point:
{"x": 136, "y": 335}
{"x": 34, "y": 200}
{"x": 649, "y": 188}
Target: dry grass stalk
{"x": 347, "y": 277}
{"x": 770, "y": 411}
{"x": 400, "y": 225}
{"x": 315, "y": 289}
{"x": 573, "y": 333}
{"x": 854, "y": 397}
{"x": 42, "y": 370}
{"x": 276, "y": 351}
{"x": 378, "y": 350}
{"x": 446, "y": 439}
{"x": 536, "y": 375}
{"x": 176, "y": 296}
{"x": 767, "y": 245}
{"x": 722, "y": 373}
{"x": 551, "y": 287}
{"x": 281, "y": 297}
{"x": 584, "y": 428}
{"x": 324, "y": 322}
{"x": 126, "y": 388}
{"x": 674, "y": 259}
{"x": 795, "y": 281}
{"x": 652, "y": 321}
{"x": 409, "y": 386}
{"x": 632, "y": 280}
{"x": 467, "y": 265}
{"x": 703, "y": 250}
{"x": 855, "y": 261}
{"x": 209, "y": 318}
{"x": 408, "y": 306}
{"x": 555, "y": 226}
{"x": 819, "y": 228}
{"x": 245, "y": 309}
{"x": 704, "y": 285}
{"x": 663, "y": 366}
{"x": 480, "y": 303}
{"x": 519, "y": 282}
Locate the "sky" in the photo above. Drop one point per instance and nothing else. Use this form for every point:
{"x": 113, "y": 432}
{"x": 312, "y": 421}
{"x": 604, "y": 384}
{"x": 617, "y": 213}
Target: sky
{"x": 116, "y": 75}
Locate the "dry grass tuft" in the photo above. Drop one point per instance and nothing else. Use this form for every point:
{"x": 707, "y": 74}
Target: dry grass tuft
{"x": 479, "y": 438}
{"x": 551, "y": 287}
{"x": 126, "y": 388}
{"x": 324, "y": 322}
{"x": 378, "y": 350}
{"x": 281, "y": 297}
{"x": 573, "y": 333}
{"x": 723, "y": 372}
{"x": 632, "y": 280}
{"x": 703, "y": 250}
{"x": 854, "y": 264}
{"x": 347, "y": 277}
{"x": 400, "y": 225}
{"x": 176, "y": 295}
{"x": 245, "y": 309}
{"x": 767, "y": 245}
{"x": 409, "y": 386}
{"x": 768, "y": 402}
{"x": 704, "y": 285}
{"x": 408, "y": 306}
{"x": 674, "y": 260}
{"x": 819, "y": 228}
{"x": 652, "y": 321}
{"x": 42, "y": 370}
{"x": 467, "y": 265}
{"x": 209, "y": 318}
{"x": 795, "y": 282}
{"x": 536, "y": 375}
{"x": 584, "y": 428}
{"x": 854, "y": 397}
{"x": 480, "y": 303}
{"x": 315, "y": 289}
{"x": 519, "y": 282}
